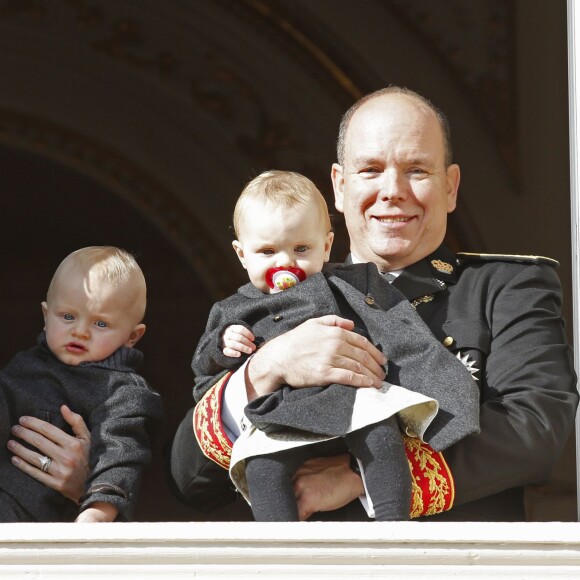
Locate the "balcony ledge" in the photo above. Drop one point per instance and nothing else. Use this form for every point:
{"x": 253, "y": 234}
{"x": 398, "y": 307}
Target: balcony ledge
{"x": 296, "y": 550}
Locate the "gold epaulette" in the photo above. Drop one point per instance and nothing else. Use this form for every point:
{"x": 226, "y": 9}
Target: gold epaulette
{"x": 520, "y": 259}
{"x": 432, "y": 483}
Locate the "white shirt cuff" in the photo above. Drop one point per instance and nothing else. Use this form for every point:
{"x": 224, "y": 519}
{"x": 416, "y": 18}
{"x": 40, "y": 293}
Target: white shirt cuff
{"x": 365, "y": 499}
{"x": 233, "y": 403}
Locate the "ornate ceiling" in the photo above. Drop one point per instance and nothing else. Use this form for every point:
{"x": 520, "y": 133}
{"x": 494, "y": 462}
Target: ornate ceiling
{"x": 174, "y": 105}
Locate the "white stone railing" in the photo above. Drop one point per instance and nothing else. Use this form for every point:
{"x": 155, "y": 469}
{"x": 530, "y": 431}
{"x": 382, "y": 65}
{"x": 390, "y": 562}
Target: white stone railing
{"x": 297, "y": 551}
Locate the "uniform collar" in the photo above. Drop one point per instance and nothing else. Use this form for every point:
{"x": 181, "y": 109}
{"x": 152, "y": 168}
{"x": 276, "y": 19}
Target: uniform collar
{"x": 427, "y": 276}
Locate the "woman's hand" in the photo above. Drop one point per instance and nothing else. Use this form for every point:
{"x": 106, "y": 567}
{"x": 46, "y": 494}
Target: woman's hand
{"x": 68, "y": 468}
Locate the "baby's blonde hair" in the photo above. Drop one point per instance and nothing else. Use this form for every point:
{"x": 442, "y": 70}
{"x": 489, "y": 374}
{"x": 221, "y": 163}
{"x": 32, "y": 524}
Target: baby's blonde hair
{"x": 280, "y": 190}
{"x": 107, "y": 263}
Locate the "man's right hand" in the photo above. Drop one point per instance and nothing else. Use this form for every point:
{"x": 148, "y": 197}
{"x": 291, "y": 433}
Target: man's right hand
{"x": 320, "y": 351}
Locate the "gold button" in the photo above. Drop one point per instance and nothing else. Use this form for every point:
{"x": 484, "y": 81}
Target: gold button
{"x": 448, "y": 341}
{"x": 369, "y": 300}
{"x": 277, "y": 318}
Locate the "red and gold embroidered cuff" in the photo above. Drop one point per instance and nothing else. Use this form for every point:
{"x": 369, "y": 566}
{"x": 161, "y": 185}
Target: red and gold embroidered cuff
{"x": 208, "y": 427}
{"x": 432, "y": 481}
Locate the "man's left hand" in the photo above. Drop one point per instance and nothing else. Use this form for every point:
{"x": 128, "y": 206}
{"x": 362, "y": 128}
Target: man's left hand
{"x": 324, "y": 484}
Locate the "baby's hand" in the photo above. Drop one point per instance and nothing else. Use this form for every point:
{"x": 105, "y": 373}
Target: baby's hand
{"x": 237, "y": 339}
{"x": 98, "y": 512}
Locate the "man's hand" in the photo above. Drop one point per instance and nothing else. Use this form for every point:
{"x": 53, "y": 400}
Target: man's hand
{"x": 318, "y": 352}
{"x": 324, "y": 484}
{"x": 69, "y": 466}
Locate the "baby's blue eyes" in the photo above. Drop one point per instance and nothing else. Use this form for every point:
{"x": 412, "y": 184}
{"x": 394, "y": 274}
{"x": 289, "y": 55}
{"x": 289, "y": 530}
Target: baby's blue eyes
{"x": 297, "y": 249}
{"x": 70, "y": 318}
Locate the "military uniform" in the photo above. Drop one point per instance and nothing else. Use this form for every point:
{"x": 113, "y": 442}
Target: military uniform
{"x": 502, "y": 316}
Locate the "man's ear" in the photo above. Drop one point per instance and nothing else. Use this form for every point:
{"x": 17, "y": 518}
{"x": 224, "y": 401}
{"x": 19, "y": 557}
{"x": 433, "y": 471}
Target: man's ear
{"x": 135, "y": 335}
{"x": 453, "y": 178}
{"x": 44, "y": 307}
{"x": 337, "y": 177}
{"x": 238, "y": 248}
{"x": 328, "y": 245}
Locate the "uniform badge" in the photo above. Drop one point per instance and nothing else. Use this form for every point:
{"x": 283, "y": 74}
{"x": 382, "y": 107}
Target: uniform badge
{"x": 469, "y": 364}
{"x": 442, "y": 266}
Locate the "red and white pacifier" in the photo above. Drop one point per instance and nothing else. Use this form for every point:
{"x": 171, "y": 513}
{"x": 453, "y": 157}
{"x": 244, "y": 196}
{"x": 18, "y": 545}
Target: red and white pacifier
{"x": 283, "y": 278}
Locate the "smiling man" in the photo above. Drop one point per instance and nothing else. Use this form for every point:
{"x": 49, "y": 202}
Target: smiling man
{"x": 394, "y": 180}
{"x": 500, "y": 315}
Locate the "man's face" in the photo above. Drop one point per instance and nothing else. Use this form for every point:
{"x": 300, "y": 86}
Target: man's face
{"x": 394, "y": 188}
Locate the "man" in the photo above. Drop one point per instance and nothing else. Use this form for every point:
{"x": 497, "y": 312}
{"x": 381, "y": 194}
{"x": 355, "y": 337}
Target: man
{"x": 395, "y": 183}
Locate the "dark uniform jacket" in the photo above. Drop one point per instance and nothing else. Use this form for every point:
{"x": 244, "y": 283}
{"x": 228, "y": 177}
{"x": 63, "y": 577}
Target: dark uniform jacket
{"x": 504, "y": 315}
{"x": 120, "y": 410}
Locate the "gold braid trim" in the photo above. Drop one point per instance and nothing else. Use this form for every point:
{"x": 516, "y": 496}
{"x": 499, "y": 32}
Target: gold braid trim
{"x": 208, "y": 428}
{"x": 433, "y": 490}
{"x": 422, "y": 300}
